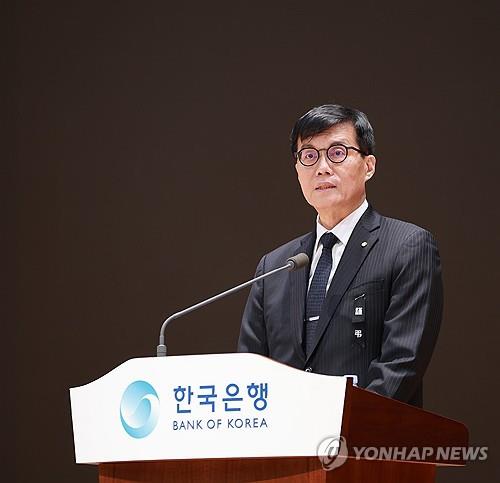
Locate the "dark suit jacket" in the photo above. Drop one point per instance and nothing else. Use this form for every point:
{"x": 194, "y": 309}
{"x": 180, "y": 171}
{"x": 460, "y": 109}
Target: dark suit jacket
{"x": 395, "y": 277}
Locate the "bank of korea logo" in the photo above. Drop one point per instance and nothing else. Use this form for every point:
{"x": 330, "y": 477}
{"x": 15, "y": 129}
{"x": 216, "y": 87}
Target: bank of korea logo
{"x": 139, "y": 409}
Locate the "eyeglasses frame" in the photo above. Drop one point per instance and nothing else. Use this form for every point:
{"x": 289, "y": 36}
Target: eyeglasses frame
{"x": 297, "y": 154}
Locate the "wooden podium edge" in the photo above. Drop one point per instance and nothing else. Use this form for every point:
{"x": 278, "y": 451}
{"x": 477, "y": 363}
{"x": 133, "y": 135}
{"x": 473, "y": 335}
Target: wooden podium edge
{"x": 396, "y": 424}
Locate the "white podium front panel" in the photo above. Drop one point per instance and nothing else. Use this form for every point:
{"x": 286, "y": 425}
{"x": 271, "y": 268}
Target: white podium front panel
{"x": 204, "y": 406}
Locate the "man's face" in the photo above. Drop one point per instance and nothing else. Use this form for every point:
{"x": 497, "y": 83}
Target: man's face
{"x": 335, "y": 189}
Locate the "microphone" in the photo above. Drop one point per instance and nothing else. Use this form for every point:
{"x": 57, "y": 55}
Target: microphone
{"x": 293, "y": 263}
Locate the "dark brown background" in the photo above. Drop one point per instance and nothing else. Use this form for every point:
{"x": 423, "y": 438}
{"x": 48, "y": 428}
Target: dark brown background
{"x": 152, "y": 169}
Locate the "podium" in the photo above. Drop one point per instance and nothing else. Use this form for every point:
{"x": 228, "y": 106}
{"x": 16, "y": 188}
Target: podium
{"x": 243, "y": 417}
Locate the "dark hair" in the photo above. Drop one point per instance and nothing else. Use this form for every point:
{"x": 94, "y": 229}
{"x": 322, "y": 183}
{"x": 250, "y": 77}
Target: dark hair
{"x": 321, "y": 118}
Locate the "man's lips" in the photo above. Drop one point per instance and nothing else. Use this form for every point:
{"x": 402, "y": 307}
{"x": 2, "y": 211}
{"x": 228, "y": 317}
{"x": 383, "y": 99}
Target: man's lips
{"x": 324, "y": 186}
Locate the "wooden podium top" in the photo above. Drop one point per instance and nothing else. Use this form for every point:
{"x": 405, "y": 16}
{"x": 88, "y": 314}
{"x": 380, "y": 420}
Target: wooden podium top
{"x": 374, "y": 421}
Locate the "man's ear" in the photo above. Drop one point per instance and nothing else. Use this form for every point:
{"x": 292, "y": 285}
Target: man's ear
{"x": 370, "y": 161}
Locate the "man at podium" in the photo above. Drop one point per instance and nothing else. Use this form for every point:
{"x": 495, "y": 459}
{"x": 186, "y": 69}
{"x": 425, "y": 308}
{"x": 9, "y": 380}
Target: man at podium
{"x": 370, "y": 302}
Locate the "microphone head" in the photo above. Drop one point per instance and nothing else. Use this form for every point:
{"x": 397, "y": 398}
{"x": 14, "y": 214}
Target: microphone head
{"x": 298, "y": 261}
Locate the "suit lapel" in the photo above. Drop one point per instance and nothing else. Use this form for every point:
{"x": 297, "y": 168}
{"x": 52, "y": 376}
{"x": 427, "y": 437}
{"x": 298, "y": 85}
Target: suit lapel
{"x": 298, "y": 287}
{"x": 353, "y": 257}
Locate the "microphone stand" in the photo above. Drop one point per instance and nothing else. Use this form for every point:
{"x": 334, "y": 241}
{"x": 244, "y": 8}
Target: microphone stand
{"x": 293, "y": 263}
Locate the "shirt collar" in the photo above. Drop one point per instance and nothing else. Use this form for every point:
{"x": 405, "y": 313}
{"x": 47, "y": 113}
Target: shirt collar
{"x": 344, "y": 228}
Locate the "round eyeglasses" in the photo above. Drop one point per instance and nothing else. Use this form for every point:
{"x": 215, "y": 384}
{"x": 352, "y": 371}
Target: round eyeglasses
{"x": 336, "y": 153}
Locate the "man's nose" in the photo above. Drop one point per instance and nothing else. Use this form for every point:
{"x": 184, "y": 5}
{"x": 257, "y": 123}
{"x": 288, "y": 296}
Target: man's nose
{"x": 323, "y": 166}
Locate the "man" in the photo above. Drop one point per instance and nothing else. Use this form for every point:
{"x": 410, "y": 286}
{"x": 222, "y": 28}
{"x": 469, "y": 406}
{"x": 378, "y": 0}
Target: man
{"x": 370, "y": 303}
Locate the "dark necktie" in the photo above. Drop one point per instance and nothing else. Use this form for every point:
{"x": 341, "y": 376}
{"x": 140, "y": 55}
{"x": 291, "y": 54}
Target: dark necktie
{"x": 317, "y": 290}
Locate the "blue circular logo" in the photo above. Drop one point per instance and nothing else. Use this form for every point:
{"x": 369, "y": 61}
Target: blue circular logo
{"x": 139, "y": 409}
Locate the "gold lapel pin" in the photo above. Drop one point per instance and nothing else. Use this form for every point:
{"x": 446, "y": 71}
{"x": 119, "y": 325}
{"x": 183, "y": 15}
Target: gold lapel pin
{"x": 364, "y": 244}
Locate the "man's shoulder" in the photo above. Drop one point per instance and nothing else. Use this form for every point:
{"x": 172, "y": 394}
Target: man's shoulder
{"x": 280, "y": 254}
{"x": 397, "y": 229}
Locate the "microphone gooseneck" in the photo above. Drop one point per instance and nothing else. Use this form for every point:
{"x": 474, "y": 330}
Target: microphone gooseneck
{"x": 293, "y": 263}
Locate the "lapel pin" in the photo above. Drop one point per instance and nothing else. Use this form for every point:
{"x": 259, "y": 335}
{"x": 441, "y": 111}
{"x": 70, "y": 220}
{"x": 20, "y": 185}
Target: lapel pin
{"x": 364, "y": 244}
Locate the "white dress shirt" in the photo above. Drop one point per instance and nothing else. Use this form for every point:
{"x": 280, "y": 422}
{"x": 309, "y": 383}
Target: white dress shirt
{"x": 342, "y": 231}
